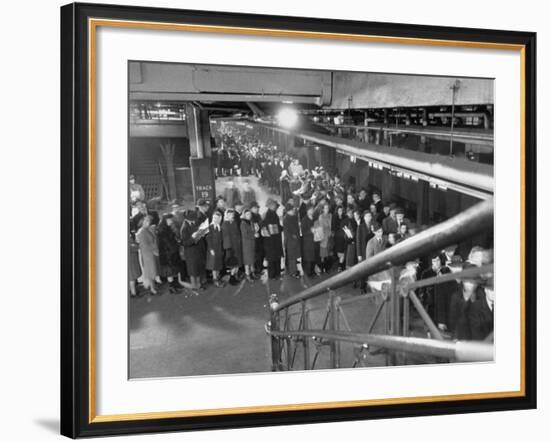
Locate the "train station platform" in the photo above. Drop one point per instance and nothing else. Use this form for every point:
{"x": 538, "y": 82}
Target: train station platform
{"x": 222, "y": 330}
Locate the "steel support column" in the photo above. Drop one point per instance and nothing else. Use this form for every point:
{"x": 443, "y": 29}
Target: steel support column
{"x": 202, "y": 173}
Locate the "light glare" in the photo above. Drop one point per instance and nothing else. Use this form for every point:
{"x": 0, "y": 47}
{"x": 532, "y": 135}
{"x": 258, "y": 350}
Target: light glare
{"x": 287, "y": 117}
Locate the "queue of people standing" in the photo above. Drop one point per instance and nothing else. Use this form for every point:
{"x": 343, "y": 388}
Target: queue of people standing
{"x": 321, "y": 226}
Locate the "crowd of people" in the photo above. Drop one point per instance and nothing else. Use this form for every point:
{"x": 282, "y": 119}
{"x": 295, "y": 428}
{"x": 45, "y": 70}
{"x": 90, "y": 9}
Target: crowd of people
{"x": 314, "y": 224}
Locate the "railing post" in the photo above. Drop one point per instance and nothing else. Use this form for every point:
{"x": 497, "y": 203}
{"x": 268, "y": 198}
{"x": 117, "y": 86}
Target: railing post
{"x": 396, "y": 304}
{"x": 288, "y": 341}
{"x": 436, "y": 334}
{"x": 396, "y": 312}
{"x": 406, "y": 315}
{"x": 387, "y": 318}
{"x": 305, "y": 322}
{"x": 275, "y": 326}
{"x": 334, "y": 346}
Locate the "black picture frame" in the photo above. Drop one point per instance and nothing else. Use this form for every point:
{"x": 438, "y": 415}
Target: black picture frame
{"x": 75, "y": 197}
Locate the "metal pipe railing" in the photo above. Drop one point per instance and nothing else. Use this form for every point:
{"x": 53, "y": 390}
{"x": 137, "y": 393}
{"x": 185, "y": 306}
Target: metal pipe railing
{"x": 463, "y": 351}
{"x": 484, "y": 137}
{"x": 468, "y": 273}
{"x": 474, "y": 220}
{"x": 459, "y": 174}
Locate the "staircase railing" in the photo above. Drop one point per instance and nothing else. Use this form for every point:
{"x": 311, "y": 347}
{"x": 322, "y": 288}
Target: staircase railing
{"x": 288, "y": 335}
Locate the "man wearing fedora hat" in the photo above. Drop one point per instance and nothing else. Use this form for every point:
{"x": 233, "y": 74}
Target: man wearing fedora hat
{"x": 461, "y": 302}
{"x": 482, "y": 313}
{"x": 203, "y": 211}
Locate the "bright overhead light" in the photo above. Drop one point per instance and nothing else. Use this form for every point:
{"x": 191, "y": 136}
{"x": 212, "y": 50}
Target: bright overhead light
{"x": 287, "y": 117}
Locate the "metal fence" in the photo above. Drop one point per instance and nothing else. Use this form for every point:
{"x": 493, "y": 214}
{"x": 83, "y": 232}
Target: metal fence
{"x": 290, "y": 326}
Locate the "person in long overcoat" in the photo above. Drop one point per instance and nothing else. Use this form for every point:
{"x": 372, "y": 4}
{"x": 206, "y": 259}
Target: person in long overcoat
{"x": 286, "y": 194}
{"x": 248, "y": 239}
{"x": 459, "y": 310}
{"x": 169, "y": 257}
{"x": 231, "y": 194}
{"x": 149, "y": 252}
{"x": 247, "y": 193}
{"x": 325, "y": 250}
{"x": 273, "y": 246}
{"x": 134, "y": 268}
{"x": 364, "y": 234}
{"x": 436, "y": 298}
{"x": 225, "y": 161}
{"x": 389, "y": 224}
{"x": 220, "y": 162}
{"x": 340, "y": 238}
{"x": 245, "y": 164}
{"x": 351, "y": 223}
{"x": 259, "y": 241}
{"x": 291, "y": 232}
{"x": 482, "y": 314}
{"x": 214, "y": 248}
{"x": 268, "y": 175}
{"x": 232, "y": 245}
{"x": 194, "y": 248}
{"x": 308, "y": 246}
{"x": 376, "y": 245}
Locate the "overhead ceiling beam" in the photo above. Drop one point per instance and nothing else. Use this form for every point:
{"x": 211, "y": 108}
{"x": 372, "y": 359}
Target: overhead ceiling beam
{"x": 221, "y": 97}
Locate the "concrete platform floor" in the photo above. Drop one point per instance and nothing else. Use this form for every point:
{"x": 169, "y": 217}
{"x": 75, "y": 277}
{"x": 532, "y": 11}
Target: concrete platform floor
{"x": 221, "y": 330}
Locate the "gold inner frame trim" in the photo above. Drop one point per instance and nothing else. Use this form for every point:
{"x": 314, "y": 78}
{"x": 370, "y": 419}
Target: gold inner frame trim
{"x": 93, "y": 24}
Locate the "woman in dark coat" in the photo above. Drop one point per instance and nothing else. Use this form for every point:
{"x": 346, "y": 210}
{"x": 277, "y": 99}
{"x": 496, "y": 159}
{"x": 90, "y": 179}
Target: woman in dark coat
{"x": 194, "y": 248}
{"x": 169, "y": 257}
{"x": 353, "y": 219}
{"x": 308, "y": 245}
{"x": 214, "y": 248}
{"x": 248, "y": 243}
{"x": 285, "y": 187}
{"x": 232, "y": 245}
{"x": 226, "y": 160}
{"x": 340, "y": 241}
{"x": 326, "y": 245}
{"x": 149, "y": 252}
{"x": 273, "y": 246}
{"x": 259, "y": 241}
{"x": 291, "y": 232}
{"x": 134, "y": 269}
{"x": 364, "y": 234}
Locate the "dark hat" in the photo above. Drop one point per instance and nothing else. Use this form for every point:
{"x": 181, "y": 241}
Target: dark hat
{"x": 253, "y": 204}
{"x": 399, "y": 210}
{"x": 271, "y": 201}
{"x": 202, "y": 202}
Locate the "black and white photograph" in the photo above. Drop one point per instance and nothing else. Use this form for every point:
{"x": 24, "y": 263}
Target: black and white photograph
{"x": 291, "y": 219}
